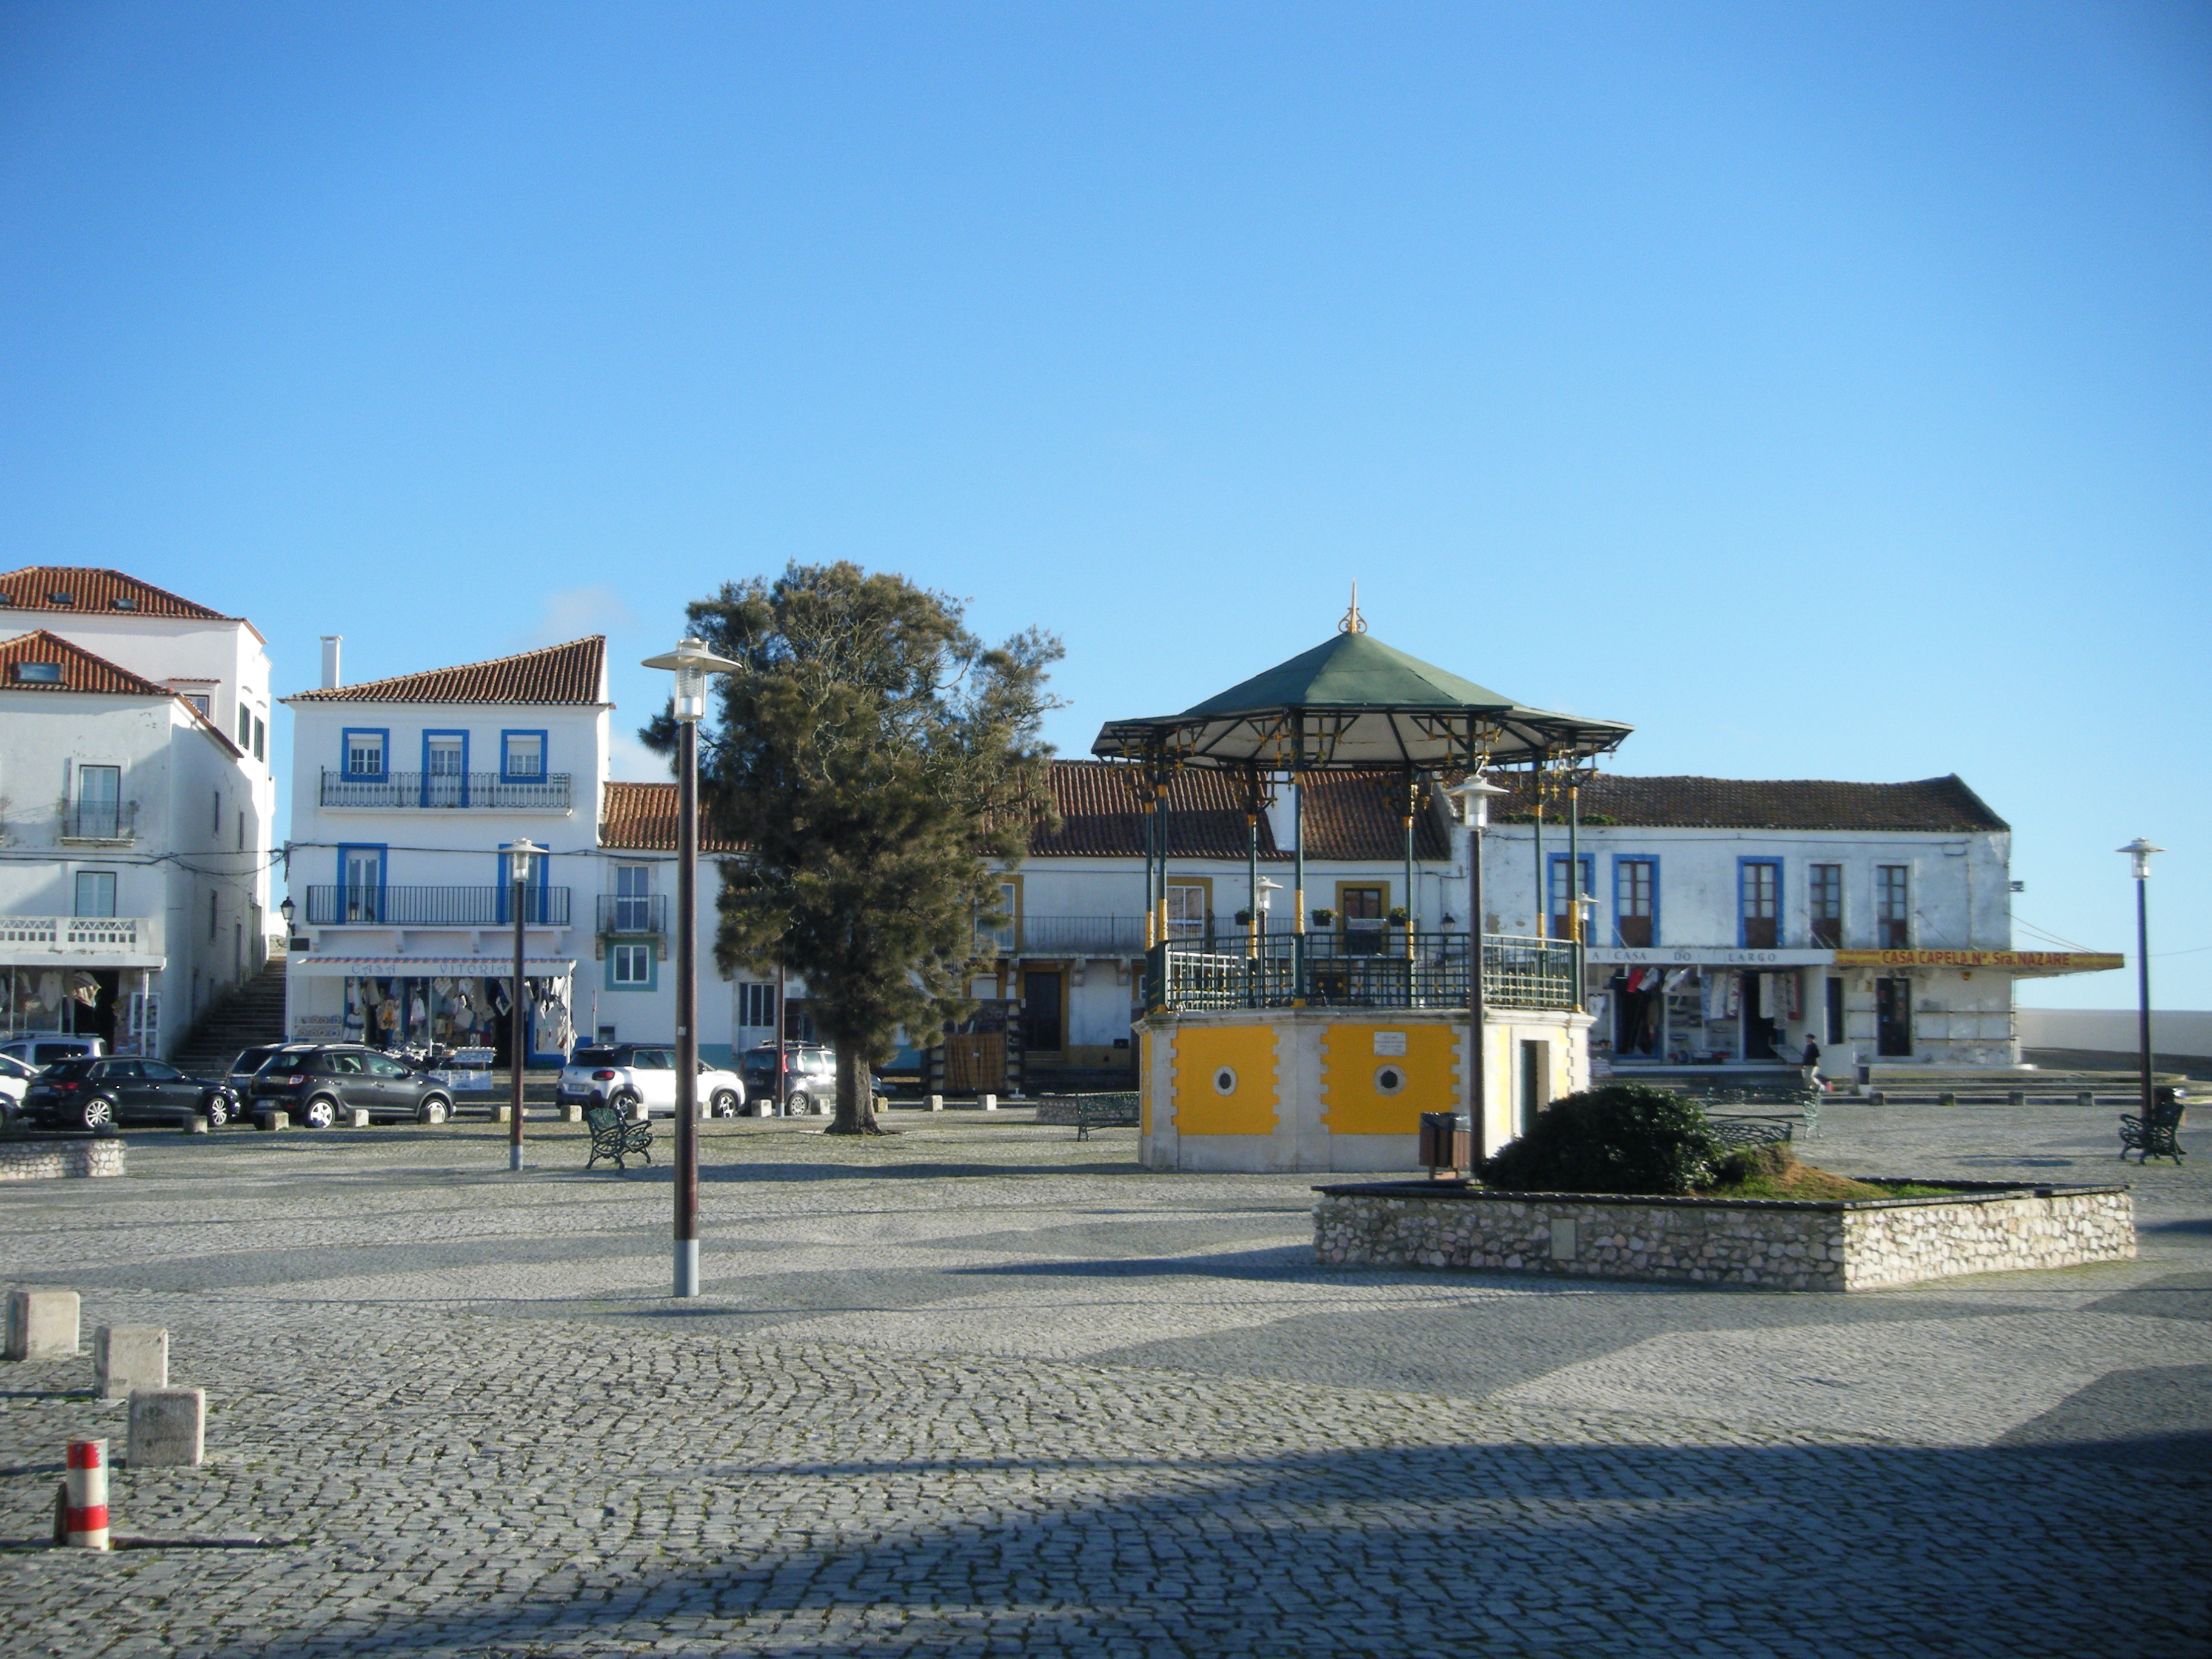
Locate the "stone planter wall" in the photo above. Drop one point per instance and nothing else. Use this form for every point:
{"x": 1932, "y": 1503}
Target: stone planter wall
{"x": 1826, "y": 1246}
{"x": 52, "y": 1158}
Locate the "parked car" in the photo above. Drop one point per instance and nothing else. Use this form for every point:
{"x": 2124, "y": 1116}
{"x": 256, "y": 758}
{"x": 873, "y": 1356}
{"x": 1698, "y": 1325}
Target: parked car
{"x": 252, "y": 1062}
{"x": 16, "y": 1076}
{"x": 45, "y": 1048}
{"x": 94, "y": 1094}
{"x": 313, "y": 1082}
{"x": 810, "y": 1076}
{"x": 626, "y": 1074}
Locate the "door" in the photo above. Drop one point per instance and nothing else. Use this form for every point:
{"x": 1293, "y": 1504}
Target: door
{"x": 360, "y": 876}
{"x": 632, "y": 897}
{"x": 443, "y": 783}
{"x": 390, "y": 1086}
{"x": 168, "y": 1088}
{"x": 1363, "y": 920}
{"x": 655, "y": 1070}
{"x": 1536, "y": 1082}
{"x": 1043, "y": 1022}
{"x": 1893, "y": 1018}
{"x": 1761, "y": 1023}
{"x": 123, "y": 1082}
{"x": 349, "y": 1078}
{"x": 99, "y": 801}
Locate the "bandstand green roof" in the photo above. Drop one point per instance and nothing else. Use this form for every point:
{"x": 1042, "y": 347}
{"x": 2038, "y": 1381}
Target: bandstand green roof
{"x": 1354, "y": 703}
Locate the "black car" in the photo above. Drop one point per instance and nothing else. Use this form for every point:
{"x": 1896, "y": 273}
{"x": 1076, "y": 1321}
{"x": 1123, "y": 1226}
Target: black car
{"x": 810, "y": 1077}
{"x": 94, "y": 1094}
{"x": 313, "y": 1083}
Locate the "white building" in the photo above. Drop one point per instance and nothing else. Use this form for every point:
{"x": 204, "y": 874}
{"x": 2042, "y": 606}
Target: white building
{"x": 135, "y": 829}
{"x": 1734, "y": 919}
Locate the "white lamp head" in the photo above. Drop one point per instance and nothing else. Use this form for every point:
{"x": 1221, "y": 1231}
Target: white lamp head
{"x": 519, "y": 855}
{"x": 1471, "y": 794}
{"x": 2139, "y": 852}
{"x": 691, "y": 662}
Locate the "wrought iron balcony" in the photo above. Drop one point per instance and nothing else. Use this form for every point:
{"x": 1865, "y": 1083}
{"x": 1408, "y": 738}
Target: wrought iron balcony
{"x": 1065, "y": 936}
{"x": 113, "y": 821}
{"x": 434, "y": 907}
{"x": 641, "y": 914}
{"x": 1317, "y": 970}
{"x": 443, "y": 791}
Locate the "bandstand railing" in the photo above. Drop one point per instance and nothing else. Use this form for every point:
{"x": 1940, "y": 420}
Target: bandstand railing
{"x": 1281, "y": 970}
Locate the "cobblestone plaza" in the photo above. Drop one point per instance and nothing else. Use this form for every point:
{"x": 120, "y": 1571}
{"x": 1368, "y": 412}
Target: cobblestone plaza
{"x": 983, "y": 1389}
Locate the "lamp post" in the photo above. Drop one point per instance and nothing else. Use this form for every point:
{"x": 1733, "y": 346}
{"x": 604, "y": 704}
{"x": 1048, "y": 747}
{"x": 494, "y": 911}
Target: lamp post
{"x": 2139, "y": 852}
{"x": 691, "y": 662}
{"x": 519, "y": 856}
{"x": 1471, "y": 795}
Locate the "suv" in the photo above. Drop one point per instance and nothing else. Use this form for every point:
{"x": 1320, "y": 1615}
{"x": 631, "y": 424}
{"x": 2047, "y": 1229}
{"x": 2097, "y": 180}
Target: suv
{"x": 810, "y": 1076}
{"x": 313, "y": 1082}
{"x": 98, "y": 1094}
{"x": 16, "y": 1076}
{"x": 45, "y": 1048}
{"x": 625, "y": 1075}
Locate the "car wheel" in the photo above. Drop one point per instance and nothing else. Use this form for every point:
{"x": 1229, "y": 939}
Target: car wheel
{"x": 97, "y": 1114}
{"x": 320, "y": 1113}
{"x": 725, "y": 1104}
{"x": 218, "y": 1111}
{"x": 625, "y": 1102}
{"x": 435, "y": 1110}
{"x": 798, "y": 1104}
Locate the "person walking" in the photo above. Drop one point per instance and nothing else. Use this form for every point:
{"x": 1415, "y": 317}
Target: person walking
{"x": 1810, "y": 1064}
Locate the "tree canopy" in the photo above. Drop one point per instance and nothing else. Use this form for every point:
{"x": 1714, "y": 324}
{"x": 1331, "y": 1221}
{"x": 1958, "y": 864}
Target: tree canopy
{"x": 880, "y": 765}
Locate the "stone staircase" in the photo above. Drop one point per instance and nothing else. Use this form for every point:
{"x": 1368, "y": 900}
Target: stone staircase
{"x": 253, "y": 1013}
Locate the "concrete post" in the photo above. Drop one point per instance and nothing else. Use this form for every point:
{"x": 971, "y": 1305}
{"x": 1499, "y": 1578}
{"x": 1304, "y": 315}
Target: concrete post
{"x": 42, "y": 1324}
{"x": 990, "y": 1103}
{"x": 127, "y": 1357}
{"x": 168, "y": 1428}
{"x": 937, "y": 1103}
{"x": 358, "y": 1117}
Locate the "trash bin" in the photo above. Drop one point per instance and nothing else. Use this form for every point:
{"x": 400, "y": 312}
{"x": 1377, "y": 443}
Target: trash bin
{"x": 1447, "y": 1142}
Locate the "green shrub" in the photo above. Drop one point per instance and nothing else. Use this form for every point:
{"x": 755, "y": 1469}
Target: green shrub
{"x": 1620, "y": 1138}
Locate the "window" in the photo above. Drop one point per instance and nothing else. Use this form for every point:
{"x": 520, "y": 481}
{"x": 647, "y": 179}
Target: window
{"x": 1561, "y": 907}
{"x": 522, "y": 754}
{"x": 1636, "y": 903}
{"x": 245, "y": 728}
{"x": 39, "y": 673}
{"x": 1362, "y": 911}
{"x": 214, "y": 818}
{"x": 211, "y": 918}
{"x": 95, "y": 892}
{"x": 1758, "y": 903}
{"x": 361, "y": 882}
{"x": 757, "y": 1008}
{"x": 199, "y": 701}
{"x": 1188, "y": 904}
{"x": 633, "y": 898}
{"x": 630, "y": 966}
{"x": 242, "y": 832}
{"x": 445, "y": 767}
{"x": 99, "y": 801}
{"x": 260, "y": 739}
{"x": 1827, "y": 907}
{"x": 1892, "y": 906}
{"x": 364, "y": 754}
{"x": 1001, "y": 937}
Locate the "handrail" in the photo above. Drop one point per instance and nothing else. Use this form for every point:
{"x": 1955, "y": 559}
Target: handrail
{"x": 549, "y": 792}
{"x": 1425, "y": 970}
{"x": 433, "y": 907}
{"x": 633, "y": 913}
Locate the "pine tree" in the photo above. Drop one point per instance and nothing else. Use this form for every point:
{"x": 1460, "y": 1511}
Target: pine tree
{"x": 880, "y": 766}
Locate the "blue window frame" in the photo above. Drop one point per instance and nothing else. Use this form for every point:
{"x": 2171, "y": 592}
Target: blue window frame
{"x": 1636, "y": 900}
{"x": 1758, "y": 903}
{"x": 445, "y": 769}
{"x": 1557, "y": 894}
{"x": 522, "y": 756}
{"x": 362, "y": 870}
{"x": 541, "y": 878}
{"x": 632, "y": 968}
{"x": 365, "y": 751}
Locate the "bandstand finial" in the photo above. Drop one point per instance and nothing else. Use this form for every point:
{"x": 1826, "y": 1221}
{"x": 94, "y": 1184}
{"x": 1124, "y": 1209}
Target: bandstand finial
{"x": 1353, "y": 623}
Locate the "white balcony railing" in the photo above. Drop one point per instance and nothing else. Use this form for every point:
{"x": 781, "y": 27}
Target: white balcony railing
{"x": 110, "y": 941}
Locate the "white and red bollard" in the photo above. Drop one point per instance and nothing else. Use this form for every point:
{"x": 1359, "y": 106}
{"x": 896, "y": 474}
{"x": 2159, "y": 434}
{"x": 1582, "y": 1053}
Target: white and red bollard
{"x": 84, "y": 1503}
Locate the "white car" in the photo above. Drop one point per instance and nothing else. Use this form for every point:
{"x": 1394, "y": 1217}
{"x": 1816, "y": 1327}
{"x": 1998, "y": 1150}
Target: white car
{"x": 15, "y": 1077}
{"x": 626, "y": 1075}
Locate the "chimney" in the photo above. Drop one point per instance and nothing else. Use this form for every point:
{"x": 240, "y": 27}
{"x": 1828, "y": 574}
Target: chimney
{"x": 330, "y": 661}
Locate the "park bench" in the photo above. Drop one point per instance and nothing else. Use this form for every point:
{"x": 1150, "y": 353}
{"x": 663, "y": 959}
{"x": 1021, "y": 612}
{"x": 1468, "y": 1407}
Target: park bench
{"x": 2158, "y": 1133}
{"x": 614, "y": 1137}
{"x": 1718, "y": 1102}
{"x": 1104, "y": 1111}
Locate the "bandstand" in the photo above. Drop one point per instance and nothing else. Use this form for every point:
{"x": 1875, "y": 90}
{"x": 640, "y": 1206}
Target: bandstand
{"x": 1318, "y": 1050}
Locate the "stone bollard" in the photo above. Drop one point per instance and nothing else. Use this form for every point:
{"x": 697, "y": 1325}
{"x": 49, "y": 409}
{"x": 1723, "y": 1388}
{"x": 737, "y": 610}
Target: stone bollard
{"x": 638, "y": 1113}
{"x": 194, "y": 1125}
{"x": 270, "y": 1122}
{"x": 84, "y": 1496}
{"x": 1874, "y": 1098}
{"x": 571, "y": 1113}
{"x": 990, "y": 1103}
{"x": 937, "y": 1103}
{"x": 2084, "y": 1098}
{"x": 499, "y": 1114}
{"x": 1946, "y": 1098}
{"x": 168, "y": 1428}
{"x": 2016, "y": 1097}
{"x": 128, "y": 1358}
{"x": 358, "y": 1117}
{"x": 42, "y": 1324}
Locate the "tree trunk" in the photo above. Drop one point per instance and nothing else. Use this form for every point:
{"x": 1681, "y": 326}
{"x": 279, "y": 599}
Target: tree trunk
{"x": 856, "y": 1095}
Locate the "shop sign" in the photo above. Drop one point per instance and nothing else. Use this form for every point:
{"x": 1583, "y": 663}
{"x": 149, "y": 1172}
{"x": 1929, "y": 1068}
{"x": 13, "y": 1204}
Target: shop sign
{"x": 2064, "y": 961}
{"x": 317, "y": 1028}
{"x": 1705, "y": 956}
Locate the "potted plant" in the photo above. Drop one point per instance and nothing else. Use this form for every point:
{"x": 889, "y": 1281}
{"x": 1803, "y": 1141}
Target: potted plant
{"x": 1324, "y": 918}
{"x": 1398, "y": 916}
{"x": 1244, "y": 918}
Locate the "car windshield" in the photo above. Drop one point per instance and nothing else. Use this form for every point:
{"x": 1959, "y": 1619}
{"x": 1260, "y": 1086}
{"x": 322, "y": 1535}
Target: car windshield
{"x": 253, "y": 1060}
{"x": 69, "y": 1068}
{"x": 592, "y": 1057}
{"x": 49, "y": 1054}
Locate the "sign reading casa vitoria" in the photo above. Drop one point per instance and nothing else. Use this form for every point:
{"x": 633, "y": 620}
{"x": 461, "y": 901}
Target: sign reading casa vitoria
{"x": 1704, "y": 955}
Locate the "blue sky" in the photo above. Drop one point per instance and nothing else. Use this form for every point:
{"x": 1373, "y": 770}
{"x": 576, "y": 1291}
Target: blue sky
{"x": 1824, "y": 389}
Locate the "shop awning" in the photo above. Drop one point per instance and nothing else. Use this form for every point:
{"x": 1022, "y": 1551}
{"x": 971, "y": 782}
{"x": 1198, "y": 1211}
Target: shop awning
{"x": 430, "y": 967}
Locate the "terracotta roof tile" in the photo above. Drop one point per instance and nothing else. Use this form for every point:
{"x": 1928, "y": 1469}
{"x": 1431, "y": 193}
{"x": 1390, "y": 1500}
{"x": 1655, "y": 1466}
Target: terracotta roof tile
{"x": 79, "y": 670}
{"x": 642, "y": 817}
{"x": 1362, "y": 816}
{"x": 1347, "y": 815}
{"x": 1943, "y": 804}
{"x": 571, "y": 673}
{"x": 85, "y": 588}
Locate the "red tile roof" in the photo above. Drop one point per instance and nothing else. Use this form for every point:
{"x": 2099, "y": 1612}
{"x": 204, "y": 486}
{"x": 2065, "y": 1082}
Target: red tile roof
{"x": 1944, "y": 806}
{"x": 1362, "y": 816}
{"x": 570, "y": 673}
{"x": 1347, "y": 816}
{"x": 80, "y": 671}
{"x": 85, "y": 588}
{"x": 642, "y": 817}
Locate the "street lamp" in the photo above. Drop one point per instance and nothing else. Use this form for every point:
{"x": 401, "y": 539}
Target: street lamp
{"x": 285, "y": 910}
{"x": 1267, "y": 889}
{"x": 519, "y": 873}
{"x": 1472, "y": 794}
{"x": 2139, "y": 852}
{"x": 691, "y": 662}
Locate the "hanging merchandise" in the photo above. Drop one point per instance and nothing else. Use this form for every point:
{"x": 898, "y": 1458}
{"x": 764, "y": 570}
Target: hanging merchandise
{"x": 1792, "y": 995}
{"x": 50, "y": 991}
{"x": 85, "y": 989}
{"x": 1674, "y": 980}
